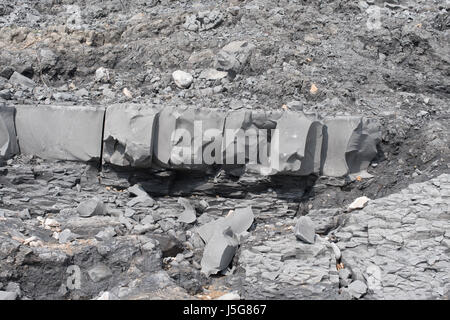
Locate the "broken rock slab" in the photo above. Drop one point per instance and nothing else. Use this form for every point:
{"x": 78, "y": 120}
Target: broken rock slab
{"x": 305, "y": 230}
{"x": 219, "y": 252}
{"x": 60, "y": 132}
{"x": 184, "y": 135}
{"x": 239, "y": 221}
{"x": 299, "y": 141}
{"x": 350, "y": 143}
{"x": 128, "y": 135}
{"x": 8, "y": 138}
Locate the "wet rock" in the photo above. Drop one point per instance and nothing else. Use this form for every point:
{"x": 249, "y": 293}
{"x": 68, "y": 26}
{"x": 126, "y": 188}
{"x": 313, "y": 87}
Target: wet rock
{"x": 305, "y": 230}
{"x": 91, "y": 207}
{"x": 182, "y": 79}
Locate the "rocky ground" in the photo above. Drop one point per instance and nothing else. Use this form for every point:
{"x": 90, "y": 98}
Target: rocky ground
{"x": 387, "y": 60}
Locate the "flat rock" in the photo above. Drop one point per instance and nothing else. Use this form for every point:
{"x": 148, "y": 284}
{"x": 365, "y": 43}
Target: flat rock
{"x": 60, "y": 132}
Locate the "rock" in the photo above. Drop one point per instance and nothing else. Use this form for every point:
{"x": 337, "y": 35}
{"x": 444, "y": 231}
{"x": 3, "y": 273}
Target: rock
{"x": 305, "y": 230}
{"x": 212, "y": 74}
{"x": 24, "y": 214}
{"x": 299, "y": 144}
{"x": 219, "y": 251}
{"x": 67, "y": 236}
{"x": 8, "y": 139}
{"x": 204, "y": 20}
{"x": 102, "y": 75}
{"x": 138, "y": 191}
{"x": 128, "y": 135}
{"x": 185, "y": 135}
{"x": 188, "y": 215}
{"x": 230, "y": 296}
{"x": 99, "y": 272}
{"x": 106, "y": 234}
{"x": 143, "y": 201}
{"x": 182, "y": 79}
{"x": 238, "y": 221}
{"x": 357, "y": 289}
{"x": 350, "y": 144}
{"x": 5, "y": 94}
{"x": 60, "y": 133}
{"x": 7, "y": 295}
{"x": 91, "y": 207}
{"x": 107, "y": 296}
{"x": 234, "y": 56}
{"x": 22, "y": 81}
{"x": 358, "y": 203}
{"x": 344, "y": 277}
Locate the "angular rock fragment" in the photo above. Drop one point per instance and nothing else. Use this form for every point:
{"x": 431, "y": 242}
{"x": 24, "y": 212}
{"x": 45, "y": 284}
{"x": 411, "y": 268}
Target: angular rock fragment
{"x": 234, "y": 56}
{"x": 358, "y": 203}
{"x": 219, "y": 251}
{"x": 7, "y": 295}
{"x": 60, "y": 132}
{"x": 91, "y": 207}
{"x": 188, "y": 138}
{"x": 239, "y": 221}
{"x": 128, "y": 135}
{"x": 188, "y": 215}
{"x": 349, "y": 145}
{"x": 299, "y": 142}
{"x": 21, "y": 80}
{"x": 8, "y": 139}
{"x": 305, "y": 230}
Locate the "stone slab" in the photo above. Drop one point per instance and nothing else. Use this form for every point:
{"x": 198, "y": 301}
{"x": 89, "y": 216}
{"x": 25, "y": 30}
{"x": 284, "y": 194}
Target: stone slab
{"x": 60, "y": 132}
